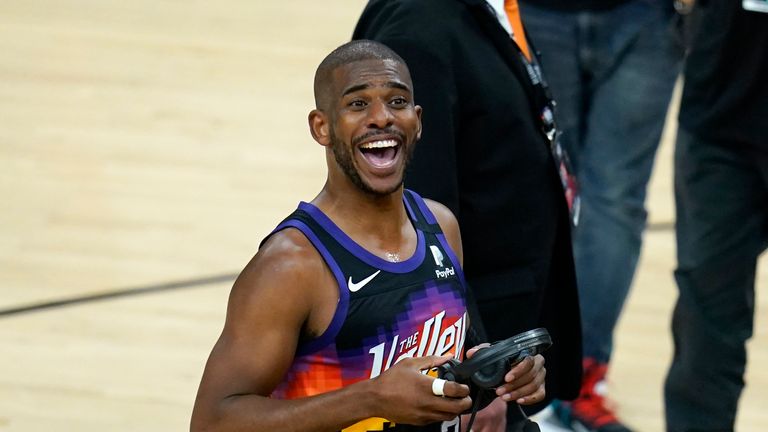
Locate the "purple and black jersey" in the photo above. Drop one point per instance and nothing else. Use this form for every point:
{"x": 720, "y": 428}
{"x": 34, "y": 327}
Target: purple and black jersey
{"x": 387, "y": 311}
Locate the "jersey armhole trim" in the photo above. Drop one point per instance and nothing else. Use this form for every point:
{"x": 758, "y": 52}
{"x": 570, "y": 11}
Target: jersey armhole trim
{"x": 340, "y": 314}
{"x": 423, "y": 208}
{"x": 430, "y": 219}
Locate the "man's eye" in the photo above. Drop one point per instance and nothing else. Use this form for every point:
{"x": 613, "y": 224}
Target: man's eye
{"x": 357, "y": 104}
{"x": 399, "y": 101}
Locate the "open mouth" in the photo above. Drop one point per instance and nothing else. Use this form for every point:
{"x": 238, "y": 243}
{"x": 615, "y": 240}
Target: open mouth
{"x": 380, "y": 154}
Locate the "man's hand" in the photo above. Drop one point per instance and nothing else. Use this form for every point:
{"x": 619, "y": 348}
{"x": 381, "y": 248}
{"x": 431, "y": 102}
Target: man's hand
{"x": 525, "y": 382}
{"x": 404, "y": 393}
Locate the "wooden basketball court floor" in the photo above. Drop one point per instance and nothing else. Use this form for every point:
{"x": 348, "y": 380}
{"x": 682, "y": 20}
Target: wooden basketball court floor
{"x": 145, "y": 149}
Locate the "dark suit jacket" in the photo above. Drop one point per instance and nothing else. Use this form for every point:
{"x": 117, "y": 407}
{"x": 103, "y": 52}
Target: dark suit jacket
{"x": 484, "y": 155}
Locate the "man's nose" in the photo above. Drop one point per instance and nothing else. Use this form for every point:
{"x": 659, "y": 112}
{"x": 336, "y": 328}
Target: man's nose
{"x": 380, "y": 115}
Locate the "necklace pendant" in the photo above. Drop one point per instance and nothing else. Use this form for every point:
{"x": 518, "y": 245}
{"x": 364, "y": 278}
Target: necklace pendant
{"x": 393, "y": 257}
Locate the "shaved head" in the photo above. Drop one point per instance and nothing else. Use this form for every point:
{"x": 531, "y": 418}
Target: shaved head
{"x": 350, "y": 52}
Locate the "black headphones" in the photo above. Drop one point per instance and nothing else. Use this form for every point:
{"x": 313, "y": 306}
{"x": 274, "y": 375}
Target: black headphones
{"x": 486, "y": 369}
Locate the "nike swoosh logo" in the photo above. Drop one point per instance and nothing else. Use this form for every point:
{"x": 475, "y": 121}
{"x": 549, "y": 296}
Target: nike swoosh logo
{"x": 355, "y": 287}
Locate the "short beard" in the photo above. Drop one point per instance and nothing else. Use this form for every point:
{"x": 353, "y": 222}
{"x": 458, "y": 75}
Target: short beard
{"x": 344, "y": 158}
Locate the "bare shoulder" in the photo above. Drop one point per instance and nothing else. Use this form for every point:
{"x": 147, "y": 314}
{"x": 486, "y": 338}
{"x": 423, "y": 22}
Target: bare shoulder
{"x": 278, "y": 281}
{"x": 443, "y": 214}
{"x": 449, "y": 225}
{"x": 287, "y": 254}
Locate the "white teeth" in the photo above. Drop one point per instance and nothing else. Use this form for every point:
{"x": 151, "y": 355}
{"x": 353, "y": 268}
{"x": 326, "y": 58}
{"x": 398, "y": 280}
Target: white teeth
{"x": 379, "y": 144}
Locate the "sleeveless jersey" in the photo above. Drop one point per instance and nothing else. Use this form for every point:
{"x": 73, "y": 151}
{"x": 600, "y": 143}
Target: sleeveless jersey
{"x": 387, "y": 311}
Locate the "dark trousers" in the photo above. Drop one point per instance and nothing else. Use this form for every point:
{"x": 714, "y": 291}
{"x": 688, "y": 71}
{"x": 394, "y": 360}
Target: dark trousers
{"x": 721, "y": 193}
{"x": 612, "y": 73}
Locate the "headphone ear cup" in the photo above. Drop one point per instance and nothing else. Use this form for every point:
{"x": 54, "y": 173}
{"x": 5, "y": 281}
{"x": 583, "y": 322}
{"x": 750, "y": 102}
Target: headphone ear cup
{"x": 447, "y": 370}
{"x": 490, "y": 376}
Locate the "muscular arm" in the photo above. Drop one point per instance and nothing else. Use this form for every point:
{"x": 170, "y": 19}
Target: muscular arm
{"x": 285, "y": 292}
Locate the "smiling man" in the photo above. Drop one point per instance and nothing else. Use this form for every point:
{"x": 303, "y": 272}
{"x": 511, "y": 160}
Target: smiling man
{"x": 344, "y": 102}
{"x": 354, "y": 296}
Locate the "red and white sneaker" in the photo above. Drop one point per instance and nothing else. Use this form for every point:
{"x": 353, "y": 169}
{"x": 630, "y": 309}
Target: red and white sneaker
{"x": 590, "y": 412}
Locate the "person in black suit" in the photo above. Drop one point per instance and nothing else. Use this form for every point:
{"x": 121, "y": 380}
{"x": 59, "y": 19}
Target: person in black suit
{"x": 486, "y": 153}
{"x": 721, "y": 203}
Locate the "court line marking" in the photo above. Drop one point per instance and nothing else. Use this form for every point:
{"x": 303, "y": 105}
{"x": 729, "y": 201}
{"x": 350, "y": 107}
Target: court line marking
{"x": 112, "y": 294}
{"x": 191, "y": 283}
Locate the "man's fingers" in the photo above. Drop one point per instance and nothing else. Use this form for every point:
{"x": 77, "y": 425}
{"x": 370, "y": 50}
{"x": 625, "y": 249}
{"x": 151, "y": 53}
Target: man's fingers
{"x": 520, "y": 369}
{"x": 524, "y": 379}
{"x": 451, "y": 389}
{"x": 474, "y": 349}
{"x": 427, "y": 362}
{"x": 536, "y": 397}
{"x": 521, "y": 382}
{"x": 534, "y": 386}
{"x": 453, "y": 405}
{"x": 529, "y": 366}
{"x": 455, "y": 390}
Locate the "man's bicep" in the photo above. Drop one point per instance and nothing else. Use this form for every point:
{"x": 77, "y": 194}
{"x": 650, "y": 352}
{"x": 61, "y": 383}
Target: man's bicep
{"x": 266, "y": 312}
{"x": 250, "y": 364}
{"x": 240, "y": 366}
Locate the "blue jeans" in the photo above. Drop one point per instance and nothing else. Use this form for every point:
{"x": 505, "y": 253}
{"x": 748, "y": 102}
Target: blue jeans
{"x": 721, "y": 196}
{"x": 612, "y": 74}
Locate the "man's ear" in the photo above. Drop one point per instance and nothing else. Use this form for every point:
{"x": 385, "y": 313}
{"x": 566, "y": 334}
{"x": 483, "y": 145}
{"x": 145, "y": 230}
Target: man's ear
{"x": 418, "y": 114}
{"x": 319, "y": 127}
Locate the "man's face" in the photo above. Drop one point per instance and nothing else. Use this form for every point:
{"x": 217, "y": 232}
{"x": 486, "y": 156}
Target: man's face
{"x": 373, "y": 124}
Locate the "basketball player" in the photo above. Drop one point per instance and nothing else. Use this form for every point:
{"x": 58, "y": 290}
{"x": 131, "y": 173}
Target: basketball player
{"x": 356, "y": 294}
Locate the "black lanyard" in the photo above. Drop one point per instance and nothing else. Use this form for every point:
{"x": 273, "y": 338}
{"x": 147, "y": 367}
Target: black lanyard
{"x": 545, "y": 107}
